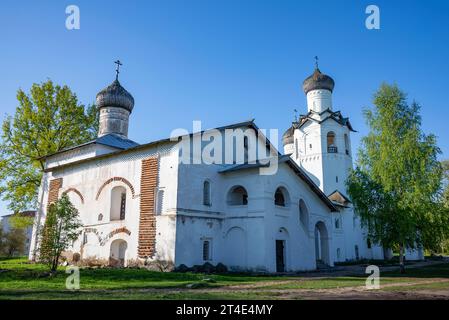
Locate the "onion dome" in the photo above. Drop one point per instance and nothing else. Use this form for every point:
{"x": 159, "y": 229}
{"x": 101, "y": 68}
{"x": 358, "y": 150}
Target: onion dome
{"x": 115, "y": 95}
{"x": 318, "y": 80}
{"x": 288, "y": 136}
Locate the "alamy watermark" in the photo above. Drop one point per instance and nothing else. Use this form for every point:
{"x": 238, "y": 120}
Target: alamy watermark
{"x": 72, "y": 282}
{"x": 373, "y": 280}
{"x": 373, "y": 20}
{"x": 231, "y": 146}
{"x": 72, "y": 22}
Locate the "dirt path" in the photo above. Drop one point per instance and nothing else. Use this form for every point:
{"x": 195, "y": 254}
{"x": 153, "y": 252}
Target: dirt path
{"x": 343, "y": 293}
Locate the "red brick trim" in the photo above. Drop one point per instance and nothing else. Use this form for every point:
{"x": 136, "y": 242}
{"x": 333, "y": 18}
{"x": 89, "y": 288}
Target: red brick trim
{"x": 53, "y": 191}
{"x": 147, "y": 221}
{"x": 116, "y": 179}
{"x": 75, "y": 191}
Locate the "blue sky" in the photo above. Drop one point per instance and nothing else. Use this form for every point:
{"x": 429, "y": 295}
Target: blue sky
{"x": 227, "y": 61}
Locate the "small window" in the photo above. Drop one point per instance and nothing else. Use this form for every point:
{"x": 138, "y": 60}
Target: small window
{"x": 245, "y": 147}
{"x": 122, "y": 206}
{"x": 337, "y": 223}
{"x": 206, "y": 193}
{"x": 84, "y": 238}
{"x": 206, "y": 250}
{"x": 310, "y": 146}
{"x": 279, "y": 199}
{"x": 237, "y": 196}
{"x": 336, "y": 179}
{"x": 347, "y": 144}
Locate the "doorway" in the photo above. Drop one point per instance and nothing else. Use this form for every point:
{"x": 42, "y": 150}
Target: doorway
{"x": 280, "y": 255}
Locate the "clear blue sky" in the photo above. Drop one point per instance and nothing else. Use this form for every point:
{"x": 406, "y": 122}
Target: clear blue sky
{"x": 226, "y": 61}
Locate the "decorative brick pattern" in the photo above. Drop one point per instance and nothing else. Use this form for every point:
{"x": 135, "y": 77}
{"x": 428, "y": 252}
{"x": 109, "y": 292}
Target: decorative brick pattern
{"x": 53, "y": 190}
{"x": 75, "y": 191}
{"x": 116, "y": 179}
{"x": 147, "y": 222}
{"x": 113, "y": 233}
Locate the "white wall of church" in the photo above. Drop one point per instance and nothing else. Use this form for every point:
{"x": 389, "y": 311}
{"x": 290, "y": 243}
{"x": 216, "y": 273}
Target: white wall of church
{"x": 95, "y": 214}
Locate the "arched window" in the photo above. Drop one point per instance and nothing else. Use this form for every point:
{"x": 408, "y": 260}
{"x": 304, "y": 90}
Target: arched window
{"x": 346, "y": 144}
{"x": 303, "y": 214}
{"x": 237, "y": 196}
{"x": 281, "y": 197}
{"x": 206, "y": 193}
{"x": 331, "y": 147}
{"x": 118, "y": 203}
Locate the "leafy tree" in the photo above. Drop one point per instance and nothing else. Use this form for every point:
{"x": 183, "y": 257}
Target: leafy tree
{"x": 445, "y": 165}
{"x": 396, "y": 185}
{"x": 61, "y": 228}
{"x": 14, "y": 242}
{"x": 47, "y": 120}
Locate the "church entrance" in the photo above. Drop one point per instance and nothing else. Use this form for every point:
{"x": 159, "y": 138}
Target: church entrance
{"x": 280, "y": 256}
{"x": 117, "y": 256}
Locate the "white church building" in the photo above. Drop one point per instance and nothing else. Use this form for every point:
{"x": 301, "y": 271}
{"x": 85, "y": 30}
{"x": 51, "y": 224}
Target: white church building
{"x": 164, "y": 201}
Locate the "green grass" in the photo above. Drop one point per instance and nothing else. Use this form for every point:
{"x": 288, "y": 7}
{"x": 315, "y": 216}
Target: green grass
{"x": 20, "y": 279}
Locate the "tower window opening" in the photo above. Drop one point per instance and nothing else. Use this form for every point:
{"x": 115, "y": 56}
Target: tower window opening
{"x": 346, "y": 144}
{"x": 331, "y": 147}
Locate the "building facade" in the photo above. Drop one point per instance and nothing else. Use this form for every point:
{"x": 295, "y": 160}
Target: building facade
{"x": 162, "y": 201}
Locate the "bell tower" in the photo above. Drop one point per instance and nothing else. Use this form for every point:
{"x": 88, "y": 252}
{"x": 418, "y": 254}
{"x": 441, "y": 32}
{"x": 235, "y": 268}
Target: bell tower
{"x": 319, "y": 141}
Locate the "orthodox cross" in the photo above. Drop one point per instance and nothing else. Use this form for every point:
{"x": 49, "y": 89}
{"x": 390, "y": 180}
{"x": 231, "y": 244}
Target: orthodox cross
{"x": 316, "y": 62}
{"x": 296, "y": 114}
{"x": 117, "y": 70}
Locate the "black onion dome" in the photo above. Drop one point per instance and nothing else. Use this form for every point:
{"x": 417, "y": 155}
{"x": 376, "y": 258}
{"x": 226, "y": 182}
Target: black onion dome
{"x": 115, "y": 95}
{"x": 288, "y": 136}
{"x": 318, "y": 80}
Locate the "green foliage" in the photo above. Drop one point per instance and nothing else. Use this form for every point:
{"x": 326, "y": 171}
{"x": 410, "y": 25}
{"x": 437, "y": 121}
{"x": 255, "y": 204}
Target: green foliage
{"x": 12, "y": 243}
{"x": 61, "y": 228}
{"x": 445, "y": 165}
{"x": 396, "y": 185}
{"x": 20, "y": 221}
{"x": 47, "y": 120}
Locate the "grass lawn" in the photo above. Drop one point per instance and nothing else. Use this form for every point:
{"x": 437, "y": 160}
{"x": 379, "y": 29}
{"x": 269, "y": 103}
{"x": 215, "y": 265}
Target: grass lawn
{"x": 20, "y": 279}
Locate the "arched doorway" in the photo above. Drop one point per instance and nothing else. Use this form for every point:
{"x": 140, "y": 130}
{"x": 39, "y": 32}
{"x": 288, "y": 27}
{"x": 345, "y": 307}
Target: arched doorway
{"x": 321, "y": 243}
{"x": 117, "y": 257}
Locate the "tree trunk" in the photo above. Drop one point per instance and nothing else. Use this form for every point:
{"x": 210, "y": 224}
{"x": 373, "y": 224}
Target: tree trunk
{"x": 401, "y": 259}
